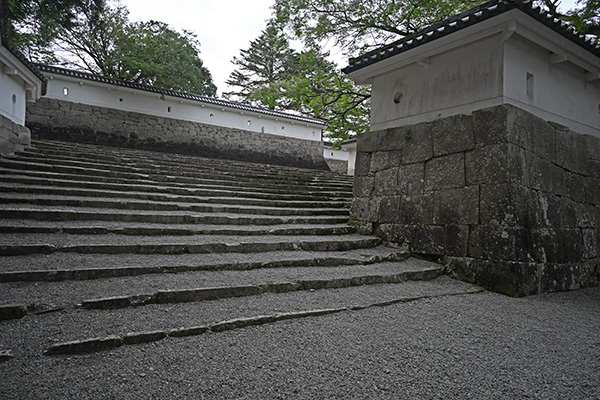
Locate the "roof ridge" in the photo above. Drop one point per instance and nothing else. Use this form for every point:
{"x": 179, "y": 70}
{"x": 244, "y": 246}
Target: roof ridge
{"x": 169, "y": 92}
{"x": 467, "y": 18}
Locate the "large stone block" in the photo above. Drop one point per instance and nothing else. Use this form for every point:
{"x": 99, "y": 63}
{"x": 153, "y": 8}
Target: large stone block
{"x": 456, "y": 206}
{"x": 491, "y": 125}
{"x": 457, "y": 240}
{"x": 364, "y": 186}
{"x": 508, "y": 205}
{"x": 411, "y": 178}
{"x": 386, "y": 182}
{"x": 453, "y": 135}
{"x": 445, "y": 172}
{"x": 418, "y": 143}
{"x": 368, "y": 141}
{"x": 488, "y": 164}
{"x": 572, "y": 154}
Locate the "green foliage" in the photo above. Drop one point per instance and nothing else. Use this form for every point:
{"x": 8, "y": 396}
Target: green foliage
{"x": 97, "y": 37}
{"x": 271, "y": 74}
{"x": 358, "y": 25}
{"x": 585, "y": 18}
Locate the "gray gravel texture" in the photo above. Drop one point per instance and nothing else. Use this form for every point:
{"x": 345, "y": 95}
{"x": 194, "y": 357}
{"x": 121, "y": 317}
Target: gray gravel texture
{"x": 475, "y": 346}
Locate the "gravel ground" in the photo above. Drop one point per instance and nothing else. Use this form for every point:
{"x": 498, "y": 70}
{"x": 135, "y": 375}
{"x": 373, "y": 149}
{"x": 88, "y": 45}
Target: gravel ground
{"x": 475, "y": 346}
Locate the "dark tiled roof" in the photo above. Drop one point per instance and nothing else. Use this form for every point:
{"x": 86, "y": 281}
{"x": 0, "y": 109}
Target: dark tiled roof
{"x": 28, "y": 64}
{"x": 173, "y": 93}
{"x": 469, "y": 18}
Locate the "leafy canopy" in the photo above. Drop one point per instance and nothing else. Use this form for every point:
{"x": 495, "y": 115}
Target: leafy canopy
{"x": 95, "y": 36}
{"x": 271, "y": 74}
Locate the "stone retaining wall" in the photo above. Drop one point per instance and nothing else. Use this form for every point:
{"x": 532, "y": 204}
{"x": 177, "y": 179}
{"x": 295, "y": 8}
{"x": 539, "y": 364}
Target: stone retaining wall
{"x": 13, "y": 137}
{"x": 62, "y": 120}
{"x": 512, "y": 202}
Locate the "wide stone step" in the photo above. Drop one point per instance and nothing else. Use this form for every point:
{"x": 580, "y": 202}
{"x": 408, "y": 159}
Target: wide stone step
{"x": 22, "y": 188}
{"x": 98, "y": 170}
{"x": 78, "y": 266}
{"x": 240, "y": 176}
{"x": 151, "y": 159}
{"x": 124, "y": 185}
{"x": 52, "y": 332}
{"x": 124, "y": 228}
{"x": 20, "y": 244}
{"x": 130, "y": 204}
{"x": 212, "y": 285}
{"x": 132, "y": 157}
{"x": 24, "y": 211}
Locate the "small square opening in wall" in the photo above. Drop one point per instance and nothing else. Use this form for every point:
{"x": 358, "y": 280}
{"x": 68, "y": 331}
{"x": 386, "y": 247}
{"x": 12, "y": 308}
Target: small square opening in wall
{"x": 530, "y": 85}
{"x": 66, "y": 91}
{"x": 249, "y": 122}
{"x": 169, "y": 109}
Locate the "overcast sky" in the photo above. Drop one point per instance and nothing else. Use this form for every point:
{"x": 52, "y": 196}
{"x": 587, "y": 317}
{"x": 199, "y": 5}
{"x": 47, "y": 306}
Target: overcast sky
{"x": 223, "y": 27}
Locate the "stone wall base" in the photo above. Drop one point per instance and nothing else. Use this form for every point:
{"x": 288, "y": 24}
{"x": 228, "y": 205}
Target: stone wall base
{"x": 511, "y": 200}
{"x": 61, "y": 120}
{"x": 13, "y": 137}
{"x": 518, "y": 279}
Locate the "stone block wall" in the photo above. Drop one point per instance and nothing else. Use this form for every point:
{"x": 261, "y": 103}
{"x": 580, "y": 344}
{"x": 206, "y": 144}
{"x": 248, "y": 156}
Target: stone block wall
{"x": 13, "y": 137}
{"x": 510, "y": 201}
{"x": 62, "y": 120}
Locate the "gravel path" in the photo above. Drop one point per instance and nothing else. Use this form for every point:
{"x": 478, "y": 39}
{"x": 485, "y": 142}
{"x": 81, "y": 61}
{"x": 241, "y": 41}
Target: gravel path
{"x": 475, "y": 346}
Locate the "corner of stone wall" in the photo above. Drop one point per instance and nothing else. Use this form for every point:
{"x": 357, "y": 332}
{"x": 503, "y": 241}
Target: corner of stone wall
{"x": 13, "y": 137}
{"x": 511, "y": 201}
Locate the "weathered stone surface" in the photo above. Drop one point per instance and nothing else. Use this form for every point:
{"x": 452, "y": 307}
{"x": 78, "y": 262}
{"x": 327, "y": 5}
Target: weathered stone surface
{"x": 386, "y": 182}
{"x": 368, "y": 142}
{"x": 363, "y": 163}
{"x": 491, "y": 125}
{"x": 456, "y": 206}
{"x": 364, "y": 186}
{"x": 85, "y": 346}
{"x": 457, "y": 240}
{"x": 418, "y": 143}
{"x": 411, "y": 179}
{"x": 445, "y": 172}
{"x": 191, "y": 331}
{"x": 508, "y": 205}
{"x": 576, "y": 158}
{"x": 487, "y": 165}
{"x": 144, "y": 337}
{"x": 453, "y": 135}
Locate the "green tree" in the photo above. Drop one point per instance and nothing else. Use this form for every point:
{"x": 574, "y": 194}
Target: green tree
{"x": 260, "y": 69}
{"x": 97, "y": 37}
{"x": 30, "y": 26}
{"x": 585, "y": 18}
{"x": 358, "y": 25}
{"x": 271, "y": 74}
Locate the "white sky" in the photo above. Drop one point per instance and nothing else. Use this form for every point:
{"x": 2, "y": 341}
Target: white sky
{"x": 223, "y": 27}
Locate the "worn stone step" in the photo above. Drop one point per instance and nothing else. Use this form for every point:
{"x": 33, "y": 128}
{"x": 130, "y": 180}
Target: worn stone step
{"x": 204, "y": 285}
{"x": 141, "y": 157}
{"x": 199, "y": 172}
{"x": 22, "y": 188}
{"x": 24, "y": 211}
{"x": 98, "y": 170}
{"x": 123, "y": 185}
{"x": 20, "y": 244}
{"x": 134, "y": 204}
{"x": 121, "y": 228}
{"x": 52, "y": 329}
{"x": 77, "y": 266}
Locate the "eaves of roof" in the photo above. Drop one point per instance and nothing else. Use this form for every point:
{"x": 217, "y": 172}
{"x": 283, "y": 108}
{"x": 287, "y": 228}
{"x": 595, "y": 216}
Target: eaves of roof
{"x": 167, "y": 92}
{"x": 466, "y": 19}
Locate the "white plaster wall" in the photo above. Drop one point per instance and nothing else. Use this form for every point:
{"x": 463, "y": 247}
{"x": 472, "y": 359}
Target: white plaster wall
{"x": 560, "y": 92}
{"x": 446, "y": 84}
{"x": 110, "y": 96}
{"x": 335, "y": 154}
{"x": 12, "y": 97}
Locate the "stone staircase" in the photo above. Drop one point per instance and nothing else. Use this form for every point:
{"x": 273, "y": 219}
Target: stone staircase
{"x": 103, "y": 247}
